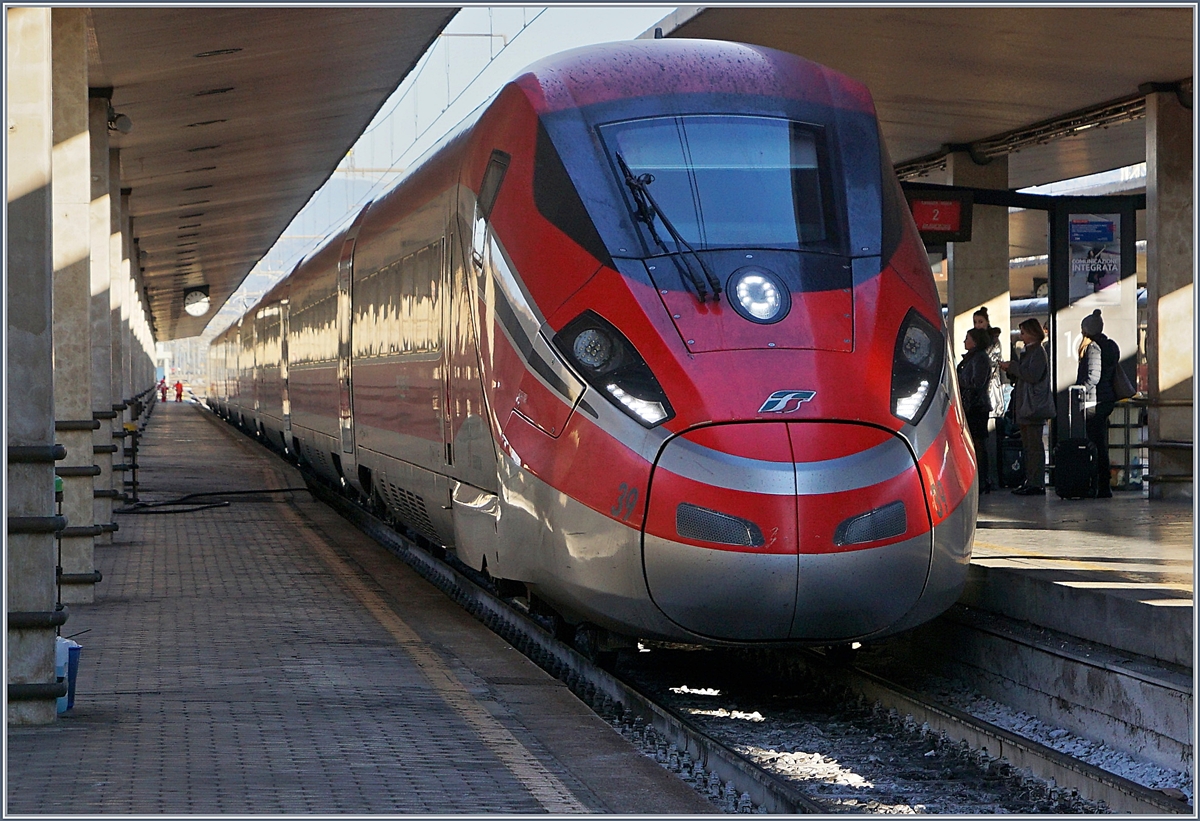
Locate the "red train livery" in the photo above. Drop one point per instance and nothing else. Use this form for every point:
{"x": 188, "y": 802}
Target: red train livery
{"x": 651, "y": 335}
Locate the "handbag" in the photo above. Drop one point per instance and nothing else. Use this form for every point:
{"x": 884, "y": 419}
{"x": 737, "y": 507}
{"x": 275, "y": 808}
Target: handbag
{"x": 1042, "y": 400}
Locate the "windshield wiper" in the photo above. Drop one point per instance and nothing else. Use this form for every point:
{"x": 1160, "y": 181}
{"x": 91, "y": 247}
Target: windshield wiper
{"x": 647, "y": 210}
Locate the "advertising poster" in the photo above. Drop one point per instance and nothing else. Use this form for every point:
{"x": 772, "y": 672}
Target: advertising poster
{"x": 1095, "y": 257}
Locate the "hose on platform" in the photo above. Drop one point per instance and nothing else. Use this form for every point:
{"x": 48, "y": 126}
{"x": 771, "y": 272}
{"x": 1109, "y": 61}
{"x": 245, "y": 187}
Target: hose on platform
{"x": 152, "y": 508}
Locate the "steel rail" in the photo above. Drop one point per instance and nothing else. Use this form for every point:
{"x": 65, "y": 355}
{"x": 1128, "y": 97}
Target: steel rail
{"x": 1120, "y": 794}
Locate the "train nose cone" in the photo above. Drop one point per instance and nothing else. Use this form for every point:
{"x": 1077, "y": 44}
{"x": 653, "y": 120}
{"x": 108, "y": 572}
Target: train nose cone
{"x": 776, "y": 531}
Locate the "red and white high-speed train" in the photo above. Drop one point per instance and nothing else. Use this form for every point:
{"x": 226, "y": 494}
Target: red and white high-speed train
{"x": 652, "y": 333}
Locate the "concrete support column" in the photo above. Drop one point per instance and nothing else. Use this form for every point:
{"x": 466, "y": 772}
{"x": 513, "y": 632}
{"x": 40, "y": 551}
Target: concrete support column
{"x": 100, "y": 310}
{"x": 71, "y": 192}
{"x": 128, "y": 307}
{"x": 977, "y": 271}
{"x": 1170, "y": 298}
{"x": 117, "y": 290}
{"x": 31, "y": 550}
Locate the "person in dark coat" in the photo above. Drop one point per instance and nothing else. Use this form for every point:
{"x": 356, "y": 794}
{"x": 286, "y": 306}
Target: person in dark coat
{"x": 974, "y": 377}
{"x": 1099, "y": 358}
{"x": 981, "y": 320}
{"x": 1031, "y": 405}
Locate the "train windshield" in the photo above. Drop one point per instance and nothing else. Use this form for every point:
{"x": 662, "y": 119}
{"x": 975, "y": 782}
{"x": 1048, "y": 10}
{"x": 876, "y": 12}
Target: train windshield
{"x": 726, "y": 181}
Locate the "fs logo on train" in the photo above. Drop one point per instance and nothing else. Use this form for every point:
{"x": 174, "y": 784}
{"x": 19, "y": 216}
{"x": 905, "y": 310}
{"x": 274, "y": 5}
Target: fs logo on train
{"x": 779, "y": 401}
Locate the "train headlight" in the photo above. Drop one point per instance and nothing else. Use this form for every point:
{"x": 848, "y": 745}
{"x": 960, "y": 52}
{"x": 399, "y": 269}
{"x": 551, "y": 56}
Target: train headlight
{"x": 593, "y": 348}
{"x": 758, "y": 295}
{"x": 916, "y": 367}
{"x": 609, "y": 363}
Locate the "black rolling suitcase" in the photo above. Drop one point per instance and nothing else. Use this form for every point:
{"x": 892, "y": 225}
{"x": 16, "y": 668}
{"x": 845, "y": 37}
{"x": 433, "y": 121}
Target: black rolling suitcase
{"x": 1075, "y": 458}
{"x": 1012, "y": 462}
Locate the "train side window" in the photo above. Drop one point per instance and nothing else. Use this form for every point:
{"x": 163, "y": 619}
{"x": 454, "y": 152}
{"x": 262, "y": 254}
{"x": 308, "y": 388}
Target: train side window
{"x": 489, "y": 189}
{"x": 492, "y": 179}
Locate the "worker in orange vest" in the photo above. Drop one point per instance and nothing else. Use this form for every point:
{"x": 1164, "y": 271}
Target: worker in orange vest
{"x": 162, "y": 387}
{"x": 178, "y": 391}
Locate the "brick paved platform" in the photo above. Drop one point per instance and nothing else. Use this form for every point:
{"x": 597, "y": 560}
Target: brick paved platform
{"x": 266, "y": 658}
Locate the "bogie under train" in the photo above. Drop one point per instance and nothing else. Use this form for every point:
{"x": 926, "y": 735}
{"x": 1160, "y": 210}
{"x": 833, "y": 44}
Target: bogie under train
{"x": 652, "y": 334}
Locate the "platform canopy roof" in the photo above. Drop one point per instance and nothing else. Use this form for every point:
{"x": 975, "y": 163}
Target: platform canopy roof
{"x": 239, "y": 114}
{"x": 943, "y": 74}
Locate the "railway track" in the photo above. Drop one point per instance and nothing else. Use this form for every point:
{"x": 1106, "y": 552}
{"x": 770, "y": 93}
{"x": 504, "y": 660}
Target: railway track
{"x": 743, "y": 772}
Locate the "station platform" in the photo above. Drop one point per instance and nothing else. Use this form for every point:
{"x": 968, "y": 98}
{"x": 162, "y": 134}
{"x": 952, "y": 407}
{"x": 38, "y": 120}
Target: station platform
{"x": 1118, "y": 572}
{"x": 266, "y": 657}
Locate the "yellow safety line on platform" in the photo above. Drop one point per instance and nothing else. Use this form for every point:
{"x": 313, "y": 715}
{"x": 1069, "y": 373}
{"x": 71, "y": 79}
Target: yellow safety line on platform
{"x": 550, "y": 792}
{"x": 1012, "y": 553}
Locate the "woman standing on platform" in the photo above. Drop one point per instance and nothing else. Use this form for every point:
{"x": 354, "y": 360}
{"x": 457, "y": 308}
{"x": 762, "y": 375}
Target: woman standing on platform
{"x": 995, "y": 388}
{"x": 1099, "y": 358}
{"x": 1032, "y": 403}
{"x": 974, "y": 372}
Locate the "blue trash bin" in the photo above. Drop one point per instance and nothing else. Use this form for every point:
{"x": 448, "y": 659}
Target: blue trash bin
{"x": 62, "y": 657}
{"x": 73, "y": 650}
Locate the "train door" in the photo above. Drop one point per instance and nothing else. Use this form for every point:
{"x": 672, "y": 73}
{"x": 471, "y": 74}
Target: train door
{"x": 235, "y": 380}
{"x": 250, "y": 390}
{"x": 470, "y": 342}
{"x": 345, "y": 317}
{"x": 285, "y": 409}
{"x": 255, "y": 372}
{"x": 481, "y": 232}
{"x": 447, "y": 336}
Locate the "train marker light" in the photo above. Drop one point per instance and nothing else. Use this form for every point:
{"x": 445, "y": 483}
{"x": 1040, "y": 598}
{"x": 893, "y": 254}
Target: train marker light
{"x": 649, "y": 412}
{"x": 907, "y": 406}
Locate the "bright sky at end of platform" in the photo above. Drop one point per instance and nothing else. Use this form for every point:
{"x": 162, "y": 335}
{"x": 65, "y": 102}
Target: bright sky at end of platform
{"x": 482, "y": 48}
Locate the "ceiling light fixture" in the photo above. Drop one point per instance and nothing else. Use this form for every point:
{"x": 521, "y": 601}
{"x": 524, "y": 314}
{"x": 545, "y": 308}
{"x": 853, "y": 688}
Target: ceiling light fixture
{"x": 118, "y": 122}
{"x": 217, "y": 52}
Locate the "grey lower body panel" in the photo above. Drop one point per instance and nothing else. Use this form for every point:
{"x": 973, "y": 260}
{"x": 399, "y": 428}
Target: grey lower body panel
{"x": 585, "y": 564}
{"x": 723, "y": 594}
{"x": 851, "y": 595}
{"x": 952, "y": 541}
{"x": 741, "y": 596}
{"x": 594, "y": 569}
